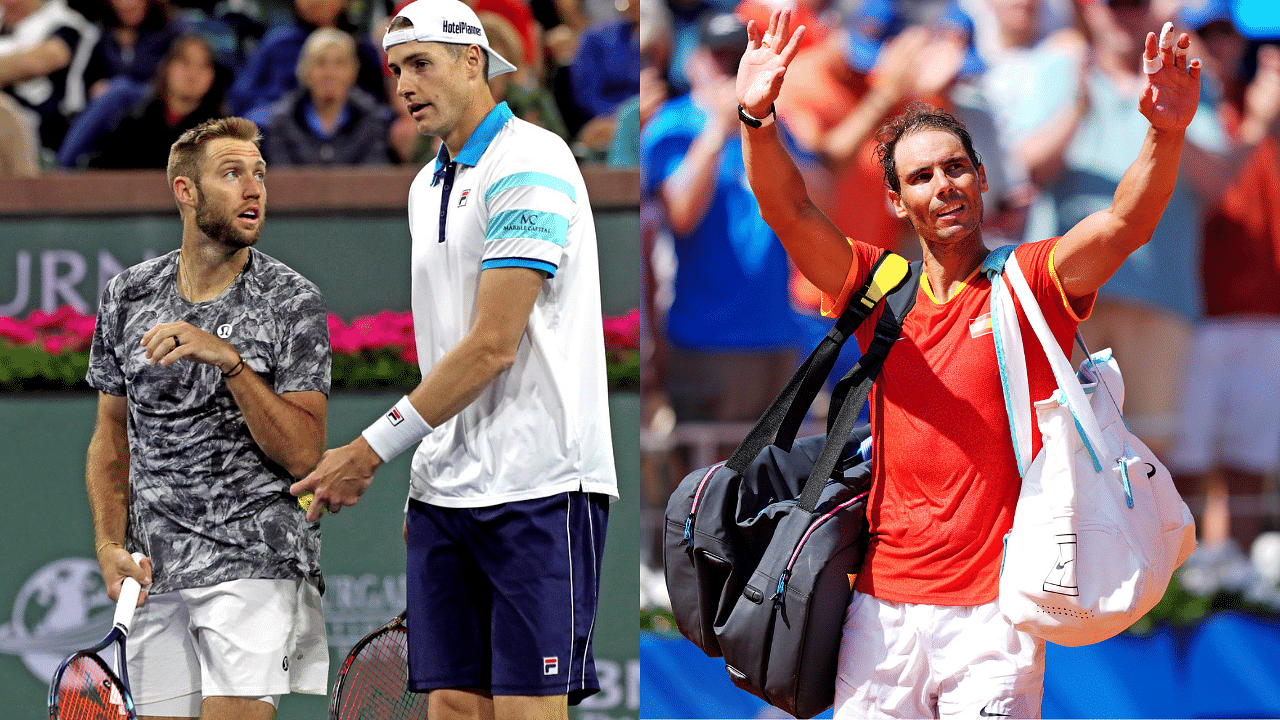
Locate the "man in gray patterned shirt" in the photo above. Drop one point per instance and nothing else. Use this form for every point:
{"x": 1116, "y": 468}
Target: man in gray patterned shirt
{"x": 212, "y": 364}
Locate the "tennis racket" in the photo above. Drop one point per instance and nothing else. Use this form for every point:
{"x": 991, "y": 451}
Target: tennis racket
{"x": 373, "y": 683}
{"x": 84, "y": 688}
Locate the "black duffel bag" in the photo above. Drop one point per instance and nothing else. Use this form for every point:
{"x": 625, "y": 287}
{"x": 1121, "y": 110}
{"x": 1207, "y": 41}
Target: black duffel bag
{"x": 760, "y": 551}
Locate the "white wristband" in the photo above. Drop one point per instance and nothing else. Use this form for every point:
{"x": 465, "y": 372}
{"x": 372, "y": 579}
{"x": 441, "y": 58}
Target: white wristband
{"x": 398, "y": 430}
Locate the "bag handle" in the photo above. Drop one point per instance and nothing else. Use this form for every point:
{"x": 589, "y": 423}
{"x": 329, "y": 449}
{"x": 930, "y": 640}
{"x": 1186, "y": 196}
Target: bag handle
{"x": 886, "y": 275}
{"x": 1004, "y": 320}
{"x": 861, "y": 377}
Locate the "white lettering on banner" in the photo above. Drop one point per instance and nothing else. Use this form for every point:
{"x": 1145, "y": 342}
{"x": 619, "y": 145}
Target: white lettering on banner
{"x": 22, "y": 289}
{"x": 61, "y": 272}
{"x": 613, "y": 693}
{"x": 356, "y": 604}
{"x": 61, "y": 608}
{"x": 54, "y": 286}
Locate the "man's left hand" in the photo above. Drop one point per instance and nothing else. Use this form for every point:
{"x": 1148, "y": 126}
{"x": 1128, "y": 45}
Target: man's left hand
{"x": 340, "y": 479}
{"x": 168, "y": 343}
{"x": 1172, "y": 93}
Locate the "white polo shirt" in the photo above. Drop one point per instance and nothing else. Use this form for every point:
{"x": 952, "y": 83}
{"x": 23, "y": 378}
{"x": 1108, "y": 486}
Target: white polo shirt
{"x": 512, "y": 197}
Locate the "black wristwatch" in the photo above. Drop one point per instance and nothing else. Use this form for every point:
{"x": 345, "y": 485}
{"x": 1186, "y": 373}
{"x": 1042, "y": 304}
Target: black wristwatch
{"x": 753, "y": 122}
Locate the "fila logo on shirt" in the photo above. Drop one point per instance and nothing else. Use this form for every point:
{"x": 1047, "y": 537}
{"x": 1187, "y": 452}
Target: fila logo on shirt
{"x": 551, "y": 666}
{"x": 462, "y": 199}
{"x": 395, "y": 417}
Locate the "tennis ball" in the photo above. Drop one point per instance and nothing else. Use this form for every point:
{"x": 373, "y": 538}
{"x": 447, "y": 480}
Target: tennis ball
{"x": 304, "y": 502}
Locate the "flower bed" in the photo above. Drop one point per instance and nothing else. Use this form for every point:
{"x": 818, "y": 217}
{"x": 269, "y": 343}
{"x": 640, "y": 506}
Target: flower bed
{"x": 50, "y": 351}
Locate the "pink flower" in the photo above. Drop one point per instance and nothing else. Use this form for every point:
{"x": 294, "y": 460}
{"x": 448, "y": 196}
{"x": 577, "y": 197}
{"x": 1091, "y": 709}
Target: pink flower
{"x": 409, "y": 354}
{"x": 54, "y": 344}
{"x": 400, "y": 323}
{"x": 16, "y": 331}
{"x": 623, "y": 333}
{"x": 373, "y": 334}
{"x": 44, "y": 321}
{"x": 80, "y": 327}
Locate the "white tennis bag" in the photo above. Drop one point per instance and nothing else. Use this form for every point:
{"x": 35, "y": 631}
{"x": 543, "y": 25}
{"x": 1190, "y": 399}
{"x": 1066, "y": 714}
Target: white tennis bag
{"x": 1099, "y": 527}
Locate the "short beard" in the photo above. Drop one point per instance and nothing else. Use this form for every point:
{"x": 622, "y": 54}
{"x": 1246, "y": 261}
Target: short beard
{"x": 221, "y": 229}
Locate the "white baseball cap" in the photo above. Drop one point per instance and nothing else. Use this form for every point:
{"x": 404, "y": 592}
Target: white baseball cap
{"x": 446, "y": 21}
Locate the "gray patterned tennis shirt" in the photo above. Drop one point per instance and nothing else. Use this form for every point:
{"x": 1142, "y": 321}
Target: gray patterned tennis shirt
{"x": 206, "y": 503}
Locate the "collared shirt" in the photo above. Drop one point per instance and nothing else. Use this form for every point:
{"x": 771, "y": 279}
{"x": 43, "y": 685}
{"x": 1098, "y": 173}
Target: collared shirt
{"x": 512, "y": 197}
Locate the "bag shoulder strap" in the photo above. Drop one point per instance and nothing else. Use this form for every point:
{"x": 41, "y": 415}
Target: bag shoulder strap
{"x": 1007, "y": 335}
{"x": 860, "y": 378}
{"x": 888, "y": 273}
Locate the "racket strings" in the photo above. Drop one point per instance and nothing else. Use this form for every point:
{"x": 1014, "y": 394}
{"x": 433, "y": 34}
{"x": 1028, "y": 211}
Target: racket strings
{"x": 86, "y": 691}
{"x": 376, "y": 683}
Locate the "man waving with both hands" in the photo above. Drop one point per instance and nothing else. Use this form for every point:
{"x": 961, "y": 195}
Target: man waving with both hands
{"x": 923, "y": 636}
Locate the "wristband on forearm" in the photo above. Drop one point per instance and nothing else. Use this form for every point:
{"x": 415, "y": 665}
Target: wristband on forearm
{"x": 398, "y": 430}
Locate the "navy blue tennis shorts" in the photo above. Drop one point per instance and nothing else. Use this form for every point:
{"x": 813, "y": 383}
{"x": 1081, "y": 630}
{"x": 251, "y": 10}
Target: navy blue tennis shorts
{"x": 503, "y": 598}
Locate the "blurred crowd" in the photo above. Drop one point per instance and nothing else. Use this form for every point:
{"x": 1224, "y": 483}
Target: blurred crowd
{"x": 1049, "y": 90}
{"x": 112, "y": 83}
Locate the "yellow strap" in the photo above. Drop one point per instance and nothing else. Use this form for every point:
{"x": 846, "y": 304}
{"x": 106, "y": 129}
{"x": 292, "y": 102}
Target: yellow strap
{"x": 888, "y": 276}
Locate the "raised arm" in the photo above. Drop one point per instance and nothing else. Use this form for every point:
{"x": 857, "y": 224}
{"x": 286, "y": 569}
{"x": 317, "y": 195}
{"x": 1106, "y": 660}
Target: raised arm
{"x": 816, "y": 246}
{"x": 1090, "y": 253}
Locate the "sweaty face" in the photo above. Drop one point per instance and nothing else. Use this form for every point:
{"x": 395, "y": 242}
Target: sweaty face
{"x": 941, "y": 189}
{"x": 231, "y": 204}
{"x": 432, "y": 83}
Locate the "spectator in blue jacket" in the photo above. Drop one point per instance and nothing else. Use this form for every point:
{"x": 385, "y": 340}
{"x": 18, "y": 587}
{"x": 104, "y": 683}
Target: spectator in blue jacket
{"x": 270, "y": 71}
{"x": 327, "y": 120}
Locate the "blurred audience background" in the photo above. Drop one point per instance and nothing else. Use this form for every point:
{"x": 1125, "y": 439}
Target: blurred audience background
{"x": 103, "y": 83}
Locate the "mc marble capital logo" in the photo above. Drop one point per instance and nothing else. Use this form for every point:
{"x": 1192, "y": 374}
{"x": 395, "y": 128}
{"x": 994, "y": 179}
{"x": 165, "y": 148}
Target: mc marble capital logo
{"x": 63, "y": 607}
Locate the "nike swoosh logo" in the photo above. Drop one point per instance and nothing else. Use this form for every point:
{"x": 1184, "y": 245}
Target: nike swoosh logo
{"x": 1059, "y": 566}
{"x": 983, "y": 712}
{"x": 1151, "y": 473}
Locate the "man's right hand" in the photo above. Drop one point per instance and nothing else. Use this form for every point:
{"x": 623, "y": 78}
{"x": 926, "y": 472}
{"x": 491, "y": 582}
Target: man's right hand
{"x": 117, "y": 564}
{"x": 765, "y": 62}
{"x": 341, "y": 477}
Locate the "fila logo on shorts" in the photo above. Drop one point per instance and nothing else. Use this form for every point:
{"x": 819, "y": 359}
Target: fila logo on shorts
{"x": 551, "y": 666}
{"x": 395, "y": 417}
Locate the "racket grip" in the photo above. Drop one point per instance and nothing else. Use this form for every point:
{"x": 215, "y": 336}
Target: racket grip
{"x": 128, "y": 602}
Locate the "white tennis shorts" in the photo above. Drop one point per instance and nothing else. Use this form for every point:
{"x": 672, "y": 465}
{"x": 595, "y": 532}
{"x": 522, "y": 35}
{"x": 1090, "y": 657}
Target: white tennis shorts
{"x": 242, "y": 638}
{"x": 902, "y": 660}
{"x": 1231, "y": 399}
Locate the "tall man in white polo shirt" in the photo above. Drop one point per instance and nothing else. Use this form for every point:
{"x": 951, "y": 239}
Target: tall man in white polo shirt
{"x": 511, "y": 481}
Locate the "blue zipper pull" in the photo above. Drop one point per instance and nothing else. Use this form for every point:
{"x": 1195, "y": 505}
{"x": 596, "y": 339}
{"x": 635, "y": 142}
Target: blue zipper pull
{"x": 779, "y": 595}
{"x": 1128, "y": 490}
{"x": 688, "y": 530}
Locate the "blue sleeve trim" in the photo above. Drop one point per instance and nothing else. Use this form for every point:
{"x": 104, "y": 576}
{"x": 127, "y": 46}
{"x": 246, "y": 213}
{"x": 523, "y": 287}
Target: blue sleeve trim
{"x": 530, "y": 263}
{"x": 525, "y": 179}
